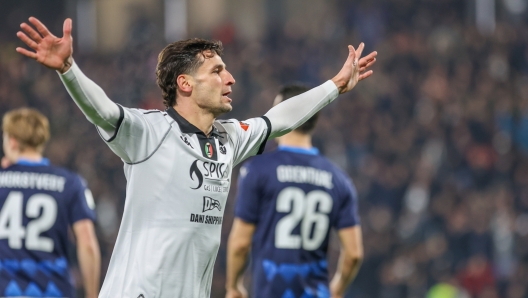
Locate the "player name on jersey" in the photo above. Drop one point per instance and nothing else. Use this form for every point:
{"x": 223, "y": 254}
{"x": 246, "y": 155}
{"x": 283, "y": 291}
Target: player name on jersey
{"x": 32, "y": 181}
{"x": 300, "y": 174}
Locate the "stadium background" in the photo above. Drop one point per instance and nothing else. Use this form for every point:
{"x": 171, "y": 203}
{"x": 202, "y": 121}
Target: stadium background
{"x": 436, "y": 141}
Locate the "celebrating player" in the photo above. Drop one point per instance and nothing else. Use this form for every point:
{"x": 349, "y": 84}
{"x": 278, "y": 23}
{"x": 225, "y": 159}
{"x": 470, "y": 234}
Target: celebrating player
{"x": 287, "y": 201}
{"x": 38, "y": 205}
{"x": 178, "y": 162}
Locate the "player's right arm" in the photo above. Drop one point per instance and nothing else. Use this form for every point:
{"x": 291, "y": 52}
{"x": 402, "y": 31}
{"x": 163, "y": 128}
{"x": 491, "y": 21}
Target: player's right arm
{"x": 123, "y": 129}
{"x": 347, "y": 224}
{"x": 247, "y": 212}
{"x": 350, "y": 260}
{"x": 238, "y": 247}
{"x": 56, "y": 53}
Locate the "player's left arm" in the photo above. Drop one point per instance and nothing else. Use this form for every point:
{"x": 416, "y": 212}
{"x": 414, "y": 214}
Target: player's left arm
{"x": 350, "y": 260}
{"x": 81, "y": 215}
{"x": 290, "y": 114}
{"x": 238, "y": 247}
{"x": 88, "y": 255}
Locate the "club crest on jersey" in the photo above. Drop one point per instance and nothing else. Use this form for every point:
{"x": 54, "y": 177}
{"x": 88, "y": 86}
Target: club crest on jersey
{"x": 208, "y": 150}
{"x": 223, "y": 149}
{"x": 244, "y": 125}
{"x": 210, "y": 204}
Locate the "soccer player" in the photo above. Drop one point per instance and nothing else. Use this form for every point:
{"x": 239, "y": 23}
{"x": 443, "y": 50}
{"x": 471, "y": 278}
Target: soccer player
{"x": 287, "y": 202}
{"x": 39, "y": 204}
{"x": 178, "y": 162}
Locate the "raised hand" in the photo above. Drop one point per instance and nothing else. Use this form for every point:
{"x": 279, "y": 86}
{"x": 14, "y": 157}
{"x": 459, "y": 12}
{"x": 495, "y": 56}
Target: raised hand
{"x": 354, "y": 69}
{"x": 49, "y": 50}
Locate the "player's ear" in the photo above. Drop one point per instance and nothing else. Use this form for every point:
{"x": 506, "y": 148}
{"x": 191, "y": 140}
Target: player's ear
{"x": 13, "y": 143}
{"x": 185, "y": 83}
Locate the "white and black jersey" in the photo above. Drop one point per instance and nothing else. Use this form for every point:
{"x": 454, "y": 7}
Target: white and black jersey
{"x": 178, "y": 182}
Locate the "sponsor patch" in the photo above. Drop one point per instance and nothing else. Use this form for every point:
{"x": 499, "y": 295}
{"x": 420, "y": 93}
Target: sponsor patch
{"x": 210, "y": 204}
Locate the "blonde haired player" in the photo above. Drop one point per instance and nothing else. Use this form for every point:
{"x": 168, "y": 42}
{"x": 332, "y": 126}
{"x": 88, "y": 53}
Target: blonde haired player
{"x": 39, "y": 203}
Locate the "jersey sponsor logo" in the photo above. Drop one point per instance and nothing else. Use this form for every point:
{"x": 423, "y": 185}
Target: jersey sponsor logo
{"x": 194, "y": 170}
{"x": 206, "y": 219}
{"x": 244, "y": 125}
{"x": 206, "y": 170}
{"x": 208, "y": 150}
{"x": 210, "y": 204}
{"x": 184, "y": 139}
{"x": 216, "y": 188}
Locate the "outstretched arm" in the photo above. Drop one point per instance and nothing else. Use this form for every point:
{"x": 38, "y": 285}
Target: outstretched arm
{"x": 290, "y": 114}
{"x": 56, "y": 53}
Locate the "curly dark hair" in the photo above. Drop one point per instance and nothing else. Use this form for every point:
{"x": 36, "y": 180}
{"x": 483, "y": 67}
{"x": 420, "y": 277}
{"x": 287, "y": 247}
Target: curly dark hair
{"x": 289, "y": 91}
{"x": 182, "y": 57}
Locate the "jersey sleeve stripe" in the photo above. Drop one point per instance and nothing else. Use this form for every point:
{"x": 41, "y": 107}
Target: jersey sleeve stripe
{"x": 121, "y": 117}
{"x": 263, "y": 145}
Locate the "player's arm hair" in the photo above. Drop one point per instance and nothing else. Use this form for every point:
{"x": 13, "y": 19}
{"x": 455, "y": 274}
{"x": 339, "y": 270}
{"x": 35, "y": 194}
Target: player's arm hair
{"x": 350, "y": 259}
{"x": 91, "y": 99}
{"x": 238, "y": 247}
{"x": 88, "y": 255}
{"x": 290, "y": 114}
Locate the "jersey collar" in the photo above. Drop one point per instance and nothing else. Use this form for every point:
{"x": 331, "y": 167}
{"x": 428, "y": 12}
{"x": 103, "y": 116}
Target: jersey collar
{"x": 27, "y": 162}
{"x": 311, "y": 151}
{"x": 186, "y": 126}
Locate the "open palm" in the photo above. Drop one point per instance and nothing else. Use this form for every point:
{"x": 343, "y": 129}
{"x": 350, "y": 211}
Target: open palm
{"x": 49, "y": 50}
{"x": 355, "y": 69}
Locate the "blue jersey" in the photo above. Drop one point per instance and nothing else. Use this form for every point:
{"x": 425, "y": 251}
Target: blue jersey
{"x": 294, "y": 197}
{"x": 38, "y": 205}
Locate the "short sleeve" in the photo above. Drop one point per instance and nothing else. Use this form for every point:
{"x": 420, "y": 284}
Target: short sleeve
{"x": 347, "y": 214}
{"x": 248, "y": 194}
{"x": 81, "y": 203}
{"x": 250, "y": 137}
{"x": 139, "y": 133}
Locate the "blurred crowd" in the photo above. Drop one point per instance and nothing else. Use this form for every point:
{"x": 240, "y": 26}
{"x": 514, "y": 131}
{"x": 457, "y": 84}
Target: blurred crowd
{"x": 436, "y": 141}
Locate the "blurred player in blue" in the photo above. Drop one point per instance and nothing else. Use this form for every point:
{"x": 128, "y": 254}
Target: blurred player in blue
{"x": 39, "y": 203}
{"x": 287, "y": 202}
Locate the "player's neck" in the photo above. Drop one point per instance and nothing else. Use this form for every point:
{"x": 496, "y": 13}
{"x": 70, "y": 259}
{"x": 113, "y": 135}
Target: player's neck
{"x": 198, "y": 117}
{"x": 28, "y": 155}
{"x": 295, "y": 139}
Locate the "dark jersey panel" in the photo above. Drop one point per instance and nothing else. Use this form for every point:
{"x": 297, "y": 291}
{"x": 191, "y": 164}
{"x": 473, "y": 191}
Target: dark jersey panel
{"x": 294, "y": 197}
{"x": 38, "y": 203}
